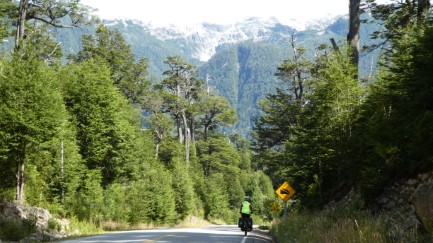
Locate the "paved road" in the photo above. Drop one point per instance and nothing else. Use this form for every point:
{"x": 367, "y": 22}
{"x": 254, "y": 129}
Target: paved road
{"x": 211, "y": 234}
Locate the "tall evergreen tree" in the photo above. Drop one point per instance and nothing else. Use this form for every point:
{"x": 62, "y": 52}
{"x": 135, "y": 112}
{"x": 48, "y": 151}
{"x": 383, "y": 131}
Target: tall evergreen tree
{"x": 326, "y": 125}
{"x": 32, "y": 113}
{"x": 394, "y": 123}
{"x": 216, "y": 112}
{"x": 281, "y": 110}
{"x": 109, "y": 47}
{"x": 106, "y": 123}
{"x": 182, "y": 89}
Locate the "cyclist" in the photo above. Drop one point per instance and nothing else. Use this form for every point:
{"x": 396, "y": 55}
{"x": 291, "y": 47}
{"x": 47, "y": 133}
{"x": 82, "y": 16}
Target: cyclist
{"x": 246, "y": 210}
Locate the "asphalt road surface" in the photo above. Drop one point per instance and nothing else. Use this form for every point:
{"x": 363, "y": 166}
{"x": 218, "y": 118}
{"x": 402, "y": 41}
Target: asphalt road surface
{"x": 208, "y": 234}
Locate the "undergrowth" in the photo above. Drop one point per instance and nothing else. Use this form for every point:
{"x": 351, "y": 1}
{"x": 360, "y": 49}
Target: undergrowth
{"x": 12, "y": 230}
{"x": 342, "y": 226}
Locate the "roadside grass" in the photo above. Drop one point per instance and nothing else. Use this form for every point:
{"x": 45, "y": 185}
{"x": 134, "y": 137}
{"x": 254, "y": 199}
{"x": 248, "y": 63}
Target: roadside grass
{"x": 329, "y": 227}
{"x": 342, "y": 226}
{"x": 193, "y": 221}
{"x": 189, "y": 222}
{"x": 83, "y": 228}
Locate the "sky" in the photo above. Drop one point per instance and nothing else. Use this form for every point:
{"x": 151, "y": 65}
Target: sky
{"x": 187, "y": 12}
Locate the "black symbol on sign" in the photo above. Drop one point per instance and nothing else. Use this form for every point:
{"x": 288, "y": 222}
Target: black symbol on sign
{"x": 285, "y": 191}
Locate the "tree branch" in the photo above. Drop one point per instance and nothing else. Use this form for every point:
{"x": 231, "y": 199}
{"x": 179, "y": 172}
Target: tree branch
{"x": 52, "y": 23}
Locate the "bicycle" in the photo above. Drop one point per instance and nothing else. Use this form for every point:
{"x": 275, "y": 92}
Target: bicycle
{"x": 246, "y": 225}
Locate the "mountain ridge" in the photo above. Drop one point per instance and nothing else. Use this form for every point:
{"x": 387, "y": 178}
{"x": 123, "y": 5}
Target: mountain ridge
{"x": 240, "y": 59}
{"x": 207, "y": 37}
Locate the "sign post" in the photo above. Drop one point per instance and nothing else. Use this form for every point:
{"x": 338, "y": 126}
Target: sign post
{"x": 285, "y": 192}
{"x": 285, "y": 211}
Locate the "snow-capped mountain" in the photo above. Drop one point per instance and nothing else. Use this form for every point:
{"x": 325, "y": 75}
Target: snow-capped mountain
{"x": 205, "y": 38}
{"x": 240, "y": 59}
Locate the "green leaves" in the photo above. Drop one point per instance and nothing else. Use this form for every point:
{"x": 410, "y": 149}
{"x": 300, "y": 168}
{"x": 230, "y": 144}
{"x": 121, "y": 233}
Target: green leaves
{"x": 397, "y": 113}
{"x": 110, "y": 48}
{"x": 78, "y": 130}
{"x": 31, "y": 110}
{"x": 106, "y": 124}
{"x": 304, "y": 132}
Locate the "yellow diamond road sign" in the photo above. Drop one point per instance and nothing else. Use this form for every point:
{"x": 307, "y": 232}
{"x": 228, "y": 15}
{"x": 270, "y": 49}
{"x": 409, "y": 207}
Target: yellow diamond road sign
{"x": 285, "y": 191}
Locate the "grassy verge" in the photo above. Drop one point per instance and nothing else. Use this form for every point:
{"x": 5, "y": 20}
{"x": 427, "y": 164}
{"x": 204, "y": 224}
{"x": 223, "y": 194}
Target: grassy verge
{"x": 360, "y": 226}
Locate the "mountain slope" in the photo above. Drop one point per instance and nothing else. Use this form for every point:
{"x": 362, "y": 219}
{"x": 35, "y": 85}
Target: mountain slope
{"x": 240, "y": 59}
{"x": 244, "y": 74}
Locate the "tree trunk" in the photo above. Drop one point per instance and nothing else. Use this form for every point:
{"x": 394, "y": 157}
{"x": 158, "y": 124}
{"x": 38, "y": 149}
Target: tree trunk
{"x": 423, "y": 9}
{"x": 19, "y": 197}
{"x": 21, "y": 22}
{"x": 157, "y": 150}
{"x": 192, "y": 129}
{"x": 159, "y": 139}
{"x": 187, "y": 136}
{"x": 179, "y": 130}
{"x": 20, "y": 183}
{"x": 206, "y": 130}
{"x": 353, "y": 36}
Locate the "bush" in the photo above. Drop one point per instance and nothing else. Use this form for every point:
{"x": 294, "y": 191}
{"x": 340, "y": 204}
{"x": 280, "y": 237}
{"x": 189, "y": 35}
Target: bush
{"x": 12, "y": 230}
{"x": 54, "y": 225}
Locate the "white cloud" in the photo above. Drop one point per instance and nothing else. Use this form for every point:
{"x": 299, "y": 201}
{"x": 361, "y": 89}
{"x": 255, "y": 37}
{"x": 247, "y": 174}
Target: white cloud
{"x": 184, "y": 12}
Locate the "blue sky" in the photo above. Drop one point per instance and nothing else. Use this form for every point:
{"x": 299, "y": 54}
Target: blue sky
{"x": 186, "y": 12}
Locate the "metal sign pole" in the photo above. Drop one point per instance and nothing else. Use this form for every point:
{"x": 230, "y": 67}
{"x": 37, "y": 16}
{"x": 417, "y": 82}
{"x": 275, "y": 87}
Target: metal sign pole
{"x": 285, "y": 211}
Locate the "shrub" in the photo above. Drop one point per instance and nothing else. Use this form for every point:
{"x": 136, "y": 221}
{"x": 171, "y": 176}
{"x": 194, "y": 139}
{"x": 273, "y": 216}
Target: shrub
{"x": 12, "y": 230}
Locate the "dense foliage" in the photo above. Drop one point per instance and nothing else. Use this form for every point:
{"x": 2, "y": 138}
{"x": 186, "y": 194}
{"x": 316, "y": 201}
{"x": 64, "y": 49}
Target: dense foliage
{"x": 344, "y": 134}
{"x": 92, "y": 139}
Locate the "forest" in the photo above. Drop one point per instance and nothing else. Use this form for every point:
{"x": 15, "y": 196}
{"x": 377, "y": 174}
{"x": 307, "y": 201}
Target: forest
{"x": 336, "y": 130}
{"x": 94, "y": 139}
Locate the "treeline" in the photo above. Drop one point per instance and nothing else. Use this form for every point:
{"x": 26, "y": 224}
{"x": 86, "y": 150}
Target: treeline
{"x": 96, "y": 140}
{"x": 331, "y": 131}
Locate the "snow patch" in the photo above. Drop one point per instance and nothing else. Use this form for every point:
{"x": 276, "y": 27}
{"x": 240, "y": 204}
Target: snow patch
{"x": 206, "y": 37}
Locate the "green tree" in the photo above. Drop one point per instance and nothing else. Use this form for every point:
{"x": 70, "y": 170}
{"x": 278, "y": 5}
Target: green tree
{"x": 161, "y": 126}
{"x": 107, "y": 126}
{"x": 7, "y": 10}
{"x": 217, "y": 206}
{"x": 394, "y": 124}
{"x": 395, "y": 17}
{"x": 109, "y": 47}
{"x": 216, "y": 155}
{"x": 88, "y": 202}
{"x": 40, "y": 43}
{"x": 152, "y": 198}
{"x": 116, "y": 207}
{"x": 305, "y": 138}
{"x": 32, "y": 113}
{"x": 216, "y": 112}
{"x": 48, "y": 12}
{"x": 272, "y": 129}
{"x": 181, "y": 91}
{"x": 326, "y": 126}
{"x": 281, "y": 110}
{"x": 183, "y": 189}
{"x": 243, "y": 147}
